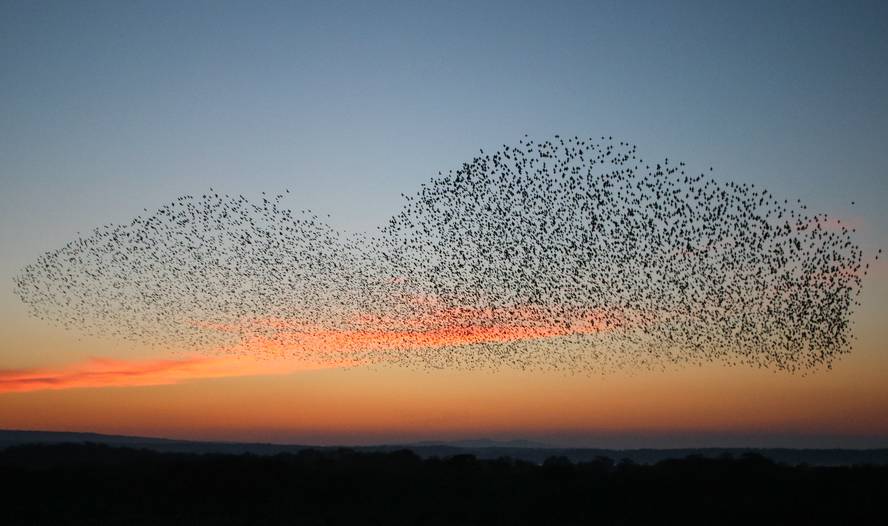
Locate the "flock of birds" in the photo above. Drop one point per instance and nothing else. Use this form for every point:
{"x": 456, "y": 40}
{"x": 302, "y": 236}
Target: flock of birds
{"x": 569, "y": 253}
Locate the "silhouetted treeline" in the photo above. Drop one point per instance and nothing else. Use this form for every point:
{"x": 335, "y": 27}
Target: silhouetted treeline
{"x": 481, "y": 448}
{"x": 99, "y": 484}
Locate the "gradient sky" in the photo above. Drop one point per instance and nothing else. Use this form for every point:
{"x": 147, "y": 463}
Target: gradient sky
{"x": 109, "y": 108}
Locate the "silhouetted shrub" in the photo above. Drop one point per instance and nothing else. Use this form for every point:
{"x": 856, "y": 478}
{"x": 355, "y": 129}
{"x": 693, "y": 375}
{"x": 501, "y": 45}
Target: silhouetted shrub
{"x": 98, "y": 484}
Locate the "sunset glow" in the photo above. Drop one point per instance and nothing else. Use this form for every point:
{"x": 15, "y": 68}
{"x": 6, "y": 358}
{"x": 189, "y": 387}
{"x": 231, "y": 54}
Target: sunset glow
{"x": 106, "y": 372}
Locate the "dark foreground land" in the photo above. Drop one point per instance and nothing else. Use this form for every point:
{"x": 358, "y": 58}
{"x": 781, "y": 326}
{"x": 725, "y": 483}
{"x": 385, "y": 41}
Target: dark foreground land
{"x": 101, "y": 484}
{"x": 533, "y": 452}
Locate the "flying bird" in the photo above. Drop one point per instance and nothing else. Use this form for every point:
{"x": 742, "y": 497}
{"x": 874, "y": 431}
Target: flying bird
{"x": 571, "y": 253}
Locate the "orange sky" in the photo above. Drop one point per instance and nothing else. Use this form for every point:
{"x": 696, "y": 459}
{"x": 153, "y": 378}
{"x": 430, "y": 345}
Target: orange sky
{"x": 362, "y": 405}
{"x": 57, "y": 381}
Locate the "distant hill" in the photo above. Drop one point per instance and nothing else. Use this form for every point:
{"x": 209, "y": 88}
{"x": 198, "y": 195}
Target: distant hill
{"x": 481, "y": 443}
{"x": 15, "y": 437}
{"x": 482, "y": 448}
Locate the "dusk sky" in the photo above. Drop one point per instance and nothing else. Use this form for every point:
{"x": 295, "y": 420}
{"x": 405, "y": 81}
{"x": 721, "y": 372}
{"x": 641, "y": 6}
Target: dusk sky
{"x": 109, "y": 109}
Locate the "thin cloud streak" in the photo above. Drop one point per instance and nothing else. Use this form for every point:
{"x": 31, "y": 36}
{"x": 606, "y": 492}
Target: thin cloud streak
{"x": 106, "y": 372}
{"x": 288, "y": 350}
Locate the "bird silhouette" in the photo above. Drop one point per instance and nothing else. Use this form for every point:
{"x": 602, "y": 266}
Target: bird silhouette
{"x": 570, "y": 254}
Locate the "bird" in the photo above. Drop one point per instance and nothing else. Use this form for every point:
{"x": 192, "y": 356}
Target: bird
{"x": 568, "y": 254}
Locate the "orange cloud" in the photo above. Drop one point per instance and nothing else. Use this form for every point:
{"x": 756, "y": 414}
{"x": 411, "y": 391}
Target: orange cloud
{"x": 276, "y": 346}
{"x": 435, "y": 329}
{"x": 105, "y": 372}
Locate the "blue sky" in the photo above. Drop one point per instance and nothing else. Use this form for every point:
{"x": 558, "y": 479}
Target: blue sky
{"x": 352, "y": 104}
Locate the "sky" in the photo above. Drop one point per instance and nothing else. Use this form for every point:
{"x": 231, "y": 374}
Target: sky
{"x": 107, "y": 108}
